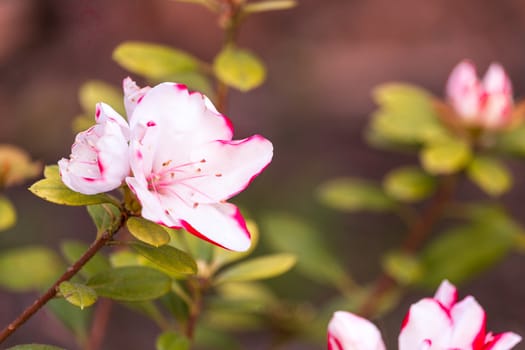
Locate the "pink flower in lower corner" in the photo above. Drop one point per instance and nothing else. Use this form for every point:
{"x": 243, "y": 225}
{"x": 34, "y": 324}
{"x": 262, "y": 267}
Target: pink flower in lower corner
{"x": 487, "y": 103}
{"x": 186, "y": 166}
{"x": 438, "y": 323}
{"x": 99, "y": 159}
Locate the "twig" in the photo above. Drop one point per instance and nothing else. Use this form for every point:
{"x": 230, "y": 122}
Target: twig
{"x": 99, "y": 324}
{"x": 52, "y": 292}
{"x": 414, "y": 239}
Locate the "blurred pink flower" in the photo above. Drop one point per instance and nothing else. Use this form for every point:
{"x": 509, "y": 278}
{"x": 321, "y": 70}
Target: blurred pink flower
{"x": 438, "y": 323}
{"x": 99, "y": 159}
{"x": 486, "y": 103}
{"x": 186, "y": 166}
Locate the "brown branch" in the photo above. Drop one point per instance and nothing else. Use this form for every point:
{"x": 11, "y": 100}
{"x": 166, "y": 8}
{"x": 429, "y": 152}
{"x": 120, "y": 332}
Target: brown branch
{"x": 416, "y": 236}
{"x": 99, "y": 324}
{"x": 52, "y": 292}
{"x": 196, "y": 289}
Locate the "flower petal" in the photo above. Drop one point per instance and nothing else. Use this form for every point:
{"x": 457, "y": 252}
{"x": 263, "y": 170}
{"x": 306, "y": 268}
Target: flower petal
{"x": 446, "y": 294}
{"x": 426, "y": 320}
{"x": 464, "y": 90}
{"x": 502, "y": 341}
{"x": 347, "y": 331}
{"x": 468, "y": 320}
{"x": 496, "y": 80}
{"x": 172, "y": 106}
{"x": 227, "y": 167}
{"x": 132, "y": 95}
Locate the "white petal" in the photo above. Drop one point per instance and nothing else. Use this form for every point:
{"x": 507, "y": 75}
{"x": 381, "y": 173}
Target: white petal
{"x": 132, "y": 95}
{"x": 502, "y": 341}
{"x": 468, "y": 328}
{"x": 446, "y": 294}
{"x": 347, "y": 331}
{"x": 426, "y": 319}
{"x": 227, "y": 168}
{"x": 464, "y": 90}
{"x": 496, "y": 80}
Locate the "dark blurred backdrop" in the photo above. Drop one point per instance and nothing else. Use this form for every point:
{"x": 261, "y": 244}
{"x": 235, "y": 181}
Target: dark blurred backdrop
{"x": 323, "y": 59}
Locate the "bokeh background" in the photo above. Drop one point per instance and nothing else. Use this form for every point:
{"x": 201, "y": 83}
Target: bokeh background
{"x": 323, "y": 59}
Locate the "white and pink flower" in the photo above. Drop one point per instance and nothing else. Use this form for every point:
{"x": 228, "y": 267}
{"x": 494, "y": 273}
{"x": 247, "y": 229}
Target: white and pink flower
{"x": 438, "y": 323}
{"x": 487, "y": 103}
{"x": 184, "y": 164}
{"x": 99, "y": 160}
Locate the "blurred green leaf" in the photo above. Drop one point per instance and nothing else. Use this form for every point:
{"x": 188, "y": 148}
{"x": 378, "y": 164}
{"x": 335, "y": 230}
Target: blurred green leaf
{"x": 404, "y": 268}
{"x": 211, "y": 338}
{"x": 446, "y": 156}
{"x": 77, "y": 294}
{"x": 35, "y": 347}
{"x": 194, "y": 80}
{"x": 512, "y": 141}
{"x": 154, "y": 61}
{"x": 53, "y": 190}
{"x": 288, "y": 233}
{"x": 95, "y": 91}
{"x": 257, "y": 268}
{"x": 172, "y": 341}
{"x": 52, "y": 172}
{"x": 124, "y": 257}
{"x": 409, "y": 184}
{"x": 268, "y": 5}
{"x": 406, "y": 114}
{"x": 490, "y": 175}
{"x": 29, "y": 268}
{"x": 132, "y": 283}
{"x": 73, "y": 250}
{"x": 170, "y": 259}
{"x": 350, "y": 194}
{"x": 74, "y": 319}
{"x": 461, "y": 253}
{"x": 239, "y": 68}
{"x": 105, "y": 216}
{"x": 196, "y": 247}
{"x": 147, "y": 231}
{"x": 232, "y": 321}
{"x": 7, "y": 214}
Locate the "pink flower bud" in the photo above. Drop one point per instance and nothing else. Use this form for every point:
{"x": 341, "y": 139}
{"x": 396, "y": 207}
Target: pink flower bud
{"x": 99, "y": 159}
{"x": 486, "y": 103}
{"x": 347, "y": 331}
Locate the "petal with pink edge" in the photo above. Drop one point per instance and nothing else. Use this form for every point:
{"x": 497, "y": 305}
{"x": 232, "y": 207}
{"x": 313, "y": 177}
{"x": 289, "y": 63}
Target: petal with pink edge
{"x": 173, "y": 106}
{"x": 133, "y": 94}
{"x": 227, "y": 167}
{"x": 347, "y": 331}
{"x": 468, "y": 320}
{"x": 502, "y": 341}
{"x": 446, "y": 294}
{"x": 426, "y": 319}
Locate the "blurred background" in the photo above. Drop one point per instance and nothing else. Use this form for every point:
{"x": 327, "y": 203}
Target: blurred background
{"x": 323, "y": 59}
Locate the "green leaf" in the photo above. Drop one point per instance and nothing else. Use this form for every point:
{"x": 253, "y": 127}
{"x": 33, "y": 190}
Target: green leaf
{"x": 409, "y": 184}
{"x": 35, "y": 347}
{"x": 490, "y": 175}
{"x": 512, "y": 141}
{"x": 153, "y": 61}
{"x": 462, "y": 253}
{"x": 406, "y": 115}
{"x": 95, "y": 91}
{"x": 239, "y": 68}
{"x": 73, "y": 250}
{"x": 147, "y": 231}
{"x": 7, "y": 214}
{"x": 269, "y": 5}
{"x": 194, "y": 80}
{"x": 105, "y": 216}
{"x": 123, "y": 258}
{"x": 172, "y": 341}
{"x": 74, "y": 319}
{"x": 445, "y": 157}
{"x": 53, "y": 190}
{"x": 28, "y": 268}
{"x": 132, "y": 283}
{"x": 77, "y": 294}
{"x": 404, "y": 268}
{"x": 52, "y": 172}
{"x": 350, "y": 194}
{"x": 257, "y": 268}
{"x": 288, "y": 233}
{"x": 171, "y": 260}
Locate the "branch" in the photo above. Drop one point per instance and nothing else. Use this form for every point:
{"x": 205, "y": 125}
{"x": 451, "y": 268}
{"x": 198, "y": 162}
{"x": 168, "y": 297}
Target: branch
{"x": 413, "y": 241}
{"x": 52, "y": 292}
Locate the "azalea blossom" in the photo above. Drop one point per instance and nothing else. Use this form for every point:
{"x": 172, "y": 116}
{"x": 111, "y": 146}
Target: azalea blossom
{"x": 438, "y": 323}
{"x": 99, "y": 159}
{"x": 185, "y": 164}
{"x": 487, "y": 103}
